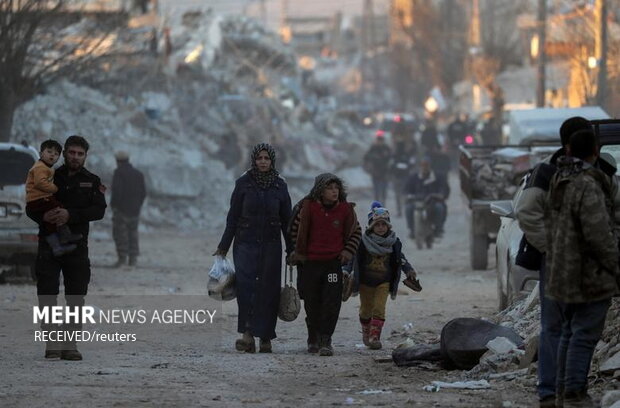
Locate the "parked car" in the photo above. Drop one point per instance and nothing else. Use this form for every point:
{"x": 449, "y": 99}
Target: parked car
{"x": 514, "y": 281}
{"x": 18, "y": 233}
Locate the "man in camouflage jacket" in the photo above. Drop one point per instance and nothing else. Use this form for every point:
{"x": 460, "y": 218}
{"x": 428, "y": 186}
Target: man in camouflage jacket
{"x": 582, "y": 259}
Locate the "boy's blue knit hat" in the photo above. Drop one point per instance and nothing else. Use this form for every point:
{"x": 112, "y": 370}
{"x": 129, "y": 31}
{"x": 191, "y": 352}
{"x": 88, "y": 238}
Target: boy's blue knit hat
{"x": 378, "y": 213}
{"x": 375, "y": 204}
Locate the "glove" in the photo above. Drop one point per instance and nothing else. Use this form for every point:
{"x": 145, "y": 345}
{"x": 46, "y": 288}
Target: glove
{"x": 220, "y": 252}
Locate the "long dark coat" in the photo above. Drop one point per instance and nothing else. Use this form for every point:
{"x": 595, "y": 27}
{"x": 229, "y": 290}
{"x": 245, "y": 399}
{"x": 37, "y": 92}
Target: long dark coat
{"x": 255, "y": 220}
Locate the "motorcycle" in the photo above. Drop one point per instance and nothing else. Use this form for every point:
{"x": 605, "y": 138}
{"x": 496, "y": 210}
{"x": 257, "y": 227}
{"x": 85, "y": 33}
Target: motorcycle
{"x": 424, "y": 230}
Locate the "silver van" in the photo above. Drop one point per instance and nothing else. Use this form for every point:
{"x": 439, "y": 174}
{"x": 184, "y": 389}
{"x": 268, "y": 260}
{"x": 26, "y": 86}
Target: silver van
{"x": 18, "y": 233}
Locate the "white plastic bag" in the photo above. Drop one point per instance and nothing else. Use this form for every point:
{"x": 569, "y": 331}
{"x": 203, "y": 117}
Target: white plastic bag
{"x": 221, "y": 276}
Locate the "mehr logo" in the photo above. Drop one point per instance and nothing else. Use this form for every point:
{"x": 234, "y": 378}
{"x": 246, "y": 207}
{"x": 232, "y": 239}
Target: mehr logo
{"x": 63, "y": 314}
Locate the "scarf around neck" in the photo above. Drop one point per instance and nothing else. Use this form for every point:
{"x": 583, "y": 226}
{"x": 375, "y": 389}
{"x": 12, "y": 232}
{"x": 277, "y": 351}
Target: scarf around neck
{"x": 378, "y": 245}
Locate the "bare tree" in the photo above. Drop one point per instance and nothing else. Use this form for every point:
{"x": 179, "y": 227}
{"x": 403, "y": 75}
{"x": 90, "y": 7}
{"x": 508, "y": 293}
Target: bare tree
{"x": 434, "y": 52}
{"x": 42, "y": 41}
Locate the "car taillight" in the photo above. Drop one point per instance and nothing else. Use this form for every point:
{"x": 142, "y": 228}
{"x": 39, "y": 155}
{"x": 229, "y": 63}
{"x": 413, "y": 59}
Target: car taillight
{"x": 469, "y": 139}
{"x": 379, "y": 133}
{"x": 397, "y": 118}
{"x": 29, "y": 237}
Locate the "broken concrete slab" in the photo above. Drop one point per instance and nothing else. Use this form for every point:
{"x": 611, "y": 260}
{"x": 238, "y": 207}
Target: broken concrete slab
{"x": 611, "y": 365}
{"x": 610, "y": 399}
{"x": 501, "y": 345}
{"x": 531, "y": 351}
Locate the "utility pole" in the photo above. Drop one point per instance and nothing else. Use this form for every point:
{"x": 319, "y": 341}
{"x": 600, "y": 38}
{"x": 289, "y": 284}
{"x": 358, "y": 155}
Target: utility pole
{"x": 373, "y": 42}
{"x": 364, "y": 47}
{"x": 601, "y": 51}
{"x": 475, "y": 53}
{"x": 283, "y": 14}
{"x": 542, "y": 53}
{"x": 263, "y": 12}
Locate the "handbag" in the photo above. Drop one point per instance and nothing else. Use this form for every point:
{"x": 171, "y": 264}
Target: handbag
{"x": 290, "y": 303}
{"x": 528, "y": 257}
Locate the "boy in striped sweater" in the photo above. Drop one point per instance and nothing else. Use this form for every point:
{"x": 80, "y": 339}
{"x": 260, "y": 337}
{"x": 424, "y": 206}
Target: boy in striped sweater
{"x": 325, "y": 234}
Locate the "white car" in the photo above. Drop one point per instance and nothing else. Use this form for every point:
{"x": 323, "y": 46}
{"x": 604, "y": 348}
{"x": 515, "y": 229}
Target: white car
{"x": 18, "y": 233}
{"x": 514, "y": 281}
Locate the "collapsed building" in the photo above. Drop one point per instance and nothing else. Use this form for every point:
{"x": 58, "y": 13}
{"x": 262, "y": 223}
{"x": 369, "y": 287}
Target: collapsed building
{"x": 189, "y": 110}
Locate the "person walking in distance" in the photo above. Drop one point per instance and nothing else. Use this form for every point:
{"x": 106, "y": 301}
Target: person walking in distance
{"x": 325, "y": 236}
{"x": 128, "y": 194}
{"x": 376, "y": 162}
{"x": 82, "y": 196}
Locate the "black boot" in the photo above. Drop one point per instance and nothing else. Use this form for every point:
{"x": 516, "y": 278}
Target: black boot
{"x": 133, "y": 260}
{"x": 313, "y": 339}
{"x": 122, "y": 260}
{"x": 325, "y": 345}
{"x": 71, "y": 354}
{"x": 57, "y": 248}
{"x": 52, "y": 350}
{"x": 65, "y": 235}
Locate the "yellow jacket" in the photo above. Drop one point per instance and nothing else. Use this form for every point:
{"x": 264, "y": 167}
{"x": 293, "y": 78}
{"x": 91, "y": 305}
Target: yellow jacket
{"x": 40, "y": 182}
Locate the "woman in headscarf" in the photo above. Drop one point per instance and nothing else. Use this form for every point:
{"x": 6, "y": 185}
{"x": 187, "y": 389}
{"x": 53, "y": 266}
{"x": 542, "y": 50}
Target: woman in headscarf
{"x": 260, "y": 208}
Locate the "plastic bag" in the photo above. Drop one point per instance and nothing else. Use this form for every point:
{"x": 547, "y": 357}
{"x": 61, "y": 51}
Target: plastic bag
{"x": 221, "y": 279}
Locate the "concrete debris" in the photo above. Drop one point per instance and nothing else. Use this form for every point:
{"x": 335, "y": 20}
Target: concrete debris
{"x": 608, "y": 356}
{"x": 463, "y": 385}
{"x": 501, "y": 345}
{"x": 611, "y": 365}
{"x": 510, "y": 375}
{"x": 189, "y": 115}
{"x": 610, "y": 399}
{"x": 492, "y": 363}
{"x": 493, "y": 179}
{"x": 531, "y": 351}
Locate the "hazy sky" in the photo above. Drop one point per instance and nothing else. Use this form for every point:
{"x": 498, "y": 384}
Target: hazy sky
{"x": 296, "y": 7}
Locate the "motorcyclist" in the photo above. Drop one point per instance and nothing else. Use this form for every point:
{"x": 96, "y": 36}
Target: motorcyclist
{"x": 403, "y": 161}
{"x": 425, "y": 185}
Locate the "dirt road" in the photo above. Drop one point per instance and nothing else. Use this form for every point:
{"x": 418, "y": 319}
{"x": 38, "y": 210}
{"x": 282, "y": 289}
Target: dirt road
{"x": 196, "y": 364}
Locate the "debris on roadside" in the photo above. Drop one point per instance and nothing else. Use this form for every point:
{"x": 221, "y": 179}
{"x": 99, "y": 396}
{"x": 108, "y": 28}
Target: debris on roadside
{"x": 462, "y": 385}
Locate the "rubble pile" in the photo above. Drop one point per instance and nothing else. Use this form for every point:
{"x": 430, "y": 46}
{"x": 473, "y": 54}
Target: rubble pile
{"x": 496, "y": 176}
{"x": 524, "y": 317}
{"x": 607, "y": 353}
{"x": 181, "y": 180}
{"x": 189, "y": 116}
